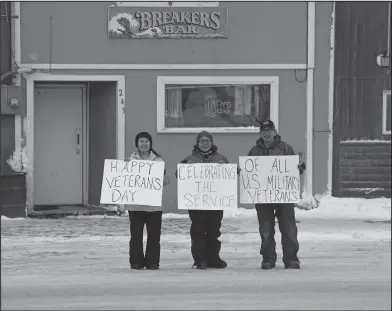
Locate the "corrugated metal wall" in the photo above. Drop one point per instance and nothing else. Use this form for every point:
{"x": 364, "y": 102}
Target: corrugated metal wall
{"x": 361, "y": 169}
{"x": 361, "y": 34}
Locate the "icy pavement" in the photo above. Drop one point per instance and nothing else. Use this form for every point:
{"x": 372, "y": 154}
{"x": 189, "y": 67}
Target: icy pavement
{"x": 82, "y": 263}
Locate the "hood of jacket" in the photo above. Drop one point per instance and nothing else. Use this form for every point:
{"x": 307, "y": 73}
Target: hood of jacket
{"x": 136, "y": 156}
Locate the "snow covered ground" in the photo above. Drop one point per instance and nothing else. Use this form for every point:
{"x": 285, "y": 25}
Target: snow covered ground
{"x": 331, "y": 208}
{"x": 82, "y": 263}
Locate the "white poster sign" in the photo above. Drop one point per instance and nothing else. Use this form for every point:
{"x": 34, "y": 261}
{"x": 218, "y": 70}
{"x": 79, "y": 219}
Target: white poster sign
{"x": 269, "y": 179}
{"x": 207, "y": 186}
{"x": 135, "y": 182}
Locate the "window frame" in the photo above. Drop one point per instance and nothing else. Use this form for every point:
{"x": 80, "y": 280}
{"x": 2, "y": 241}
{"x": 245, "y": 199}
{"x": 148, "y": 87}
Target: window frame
{"x": 385, "y": 94}
{"x": 273, "y": 81}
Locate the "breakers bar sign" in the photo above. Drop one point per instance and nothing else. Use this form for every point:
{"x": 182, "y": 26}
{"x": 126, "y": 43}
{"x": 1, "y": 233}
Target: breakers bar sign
{"x": 161, "y": 23}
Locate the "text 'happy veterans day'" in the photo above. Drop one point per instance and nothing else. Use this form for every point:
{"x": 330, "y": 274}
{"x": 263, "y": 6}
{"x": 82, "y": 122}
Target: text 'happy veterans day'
{"x": 132, "y": 182}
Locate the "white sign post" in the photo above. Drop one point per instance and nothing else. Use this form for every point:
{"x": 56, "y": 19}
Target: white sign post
{"x": 207, "y": 186}
{"x": 269, "y": 179}
{"x": 134, "y": 182}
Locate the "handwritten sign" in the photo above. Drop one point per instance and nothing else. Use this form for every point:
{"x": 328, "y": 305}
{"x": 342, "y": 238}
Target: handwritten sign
{"x": 207, "y": 186}
{"x": 135, "y": 182}
{"x": 272, "y": 179}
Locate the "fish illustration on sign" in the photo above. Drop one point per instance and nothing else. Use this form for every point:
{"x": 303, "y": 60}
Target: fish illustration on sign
{"x": 141, "y": 23}
{"x": 124, "y": 25}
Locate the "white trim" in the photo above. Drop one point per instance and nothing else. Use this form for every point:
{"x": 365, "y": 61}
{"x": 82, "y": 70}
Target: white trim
{"x": 331, "y": 95}
{"x": 310, "y": 98}
{"x": 384, "y": 112}
{"x": 163, "y": 80}
{"x": 166, "y": 4}
{"x": 365, "y": 141}
{"x": 30, "y": 79}
{"x": 44, "y": 66}
{"x": 311, "y": 34}
{"x": 16, "y": 33}
{"x": 389, "y": 32}
{"x": 120, "y": 118}
{"x": 86, "y": 144}
{"x": 30, "y": 143}
{"x": 18, "y": 138}
{"x": 72, "y": 77}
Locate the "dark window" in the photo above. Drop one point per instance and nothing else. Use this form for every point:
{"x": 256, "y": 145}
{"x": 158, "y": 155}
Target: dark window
{"x": 198, "y": 105}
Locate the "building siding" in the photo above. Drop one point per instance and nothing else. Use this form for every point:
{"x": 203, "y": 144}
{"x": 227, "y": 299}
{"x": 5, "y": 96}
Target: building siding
{"x": 7, "y": 140}
{"x": 361, "y": 35}
{"x": 259, "y": 33}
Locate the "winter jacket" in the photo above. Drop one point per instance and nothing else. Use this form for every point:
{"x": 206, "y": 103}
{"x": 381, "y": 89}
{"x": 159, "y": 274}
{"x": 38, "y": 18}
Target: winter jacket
{"x": 145, "y": 208}
{"x": 213, "y": 156}
{"x": 278, "y": 147}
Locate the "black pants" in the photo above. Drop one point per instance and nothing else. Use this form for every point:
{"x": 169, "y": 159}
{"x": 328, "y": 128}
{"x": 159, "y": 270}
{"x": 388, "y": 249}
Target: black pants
{"x": 205, "y": 233}
{"x": 153, "y": 221}
{"x": 288, "y": 228}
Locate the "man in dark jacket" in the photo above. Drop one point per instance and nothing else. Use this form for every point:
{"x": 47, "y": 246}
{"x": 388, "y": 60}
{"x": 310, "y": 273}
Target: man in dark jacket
{"x": 206, "y": 224}
{"x": 270, "y": 144}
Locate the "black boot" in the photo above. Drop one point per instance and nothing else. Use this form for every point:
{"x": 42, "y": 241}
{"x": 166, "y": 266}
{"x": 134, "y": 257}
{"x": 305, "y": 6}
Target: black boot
{"x": 152, "y": 267}
{"x": 267, "y": 265}
{"x": 217, "y": 264}
{"x": 136, "y": 267}
{"x": 202, "y": 265}
{"x": 293, "y": 264}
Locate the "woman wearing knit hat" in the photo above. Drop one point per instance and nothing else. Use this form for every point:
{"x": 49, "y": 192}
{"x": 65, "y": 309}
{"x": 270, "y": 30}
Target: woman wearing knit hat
{"x": 151, "y": 216}
{"x": 205, "y": 227}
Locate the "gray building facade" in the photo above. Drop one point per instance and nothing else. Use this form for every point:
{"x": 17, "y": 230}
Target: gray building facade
{"x": 99, "y": 74}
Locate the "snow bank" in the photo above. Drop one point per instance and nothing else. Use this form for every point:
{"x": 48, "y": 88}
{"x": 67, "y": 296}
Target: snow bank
{"x": 349, "y": 208}
{"x": 8, "y": 218}
{"x": 328, "y": 207}
{"x": 92, "y": 217}
{"x": 174, "y": 216}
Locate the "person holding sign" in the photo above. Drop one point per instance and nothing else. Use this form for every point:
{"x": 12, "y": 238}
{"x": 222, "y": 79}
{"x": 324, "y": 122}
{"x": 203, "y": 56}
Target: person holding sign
{"x": 140, "y": 215}
{"x": 205, "y": 227}
{"x": 270, "y": 144}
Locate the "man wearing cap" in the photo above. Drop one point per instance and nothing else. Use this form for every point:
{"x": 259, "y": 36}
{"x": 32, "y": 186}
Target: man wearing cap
{"x": 270, "y": 144}
{"x": 206, "y": 224}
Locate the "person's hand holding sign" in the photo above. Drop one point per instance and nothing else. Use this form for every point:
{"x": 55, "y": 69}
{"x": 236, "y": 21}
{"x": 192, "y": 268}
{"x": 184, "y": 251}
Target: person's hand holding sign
{"x": 301, "y": 165}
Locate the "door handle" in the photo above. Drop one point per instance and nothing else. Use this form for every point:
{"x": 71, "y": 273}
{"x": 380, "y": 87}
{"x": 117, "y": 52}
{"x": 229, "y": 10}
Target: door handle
{"x": 78, "y": 132}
